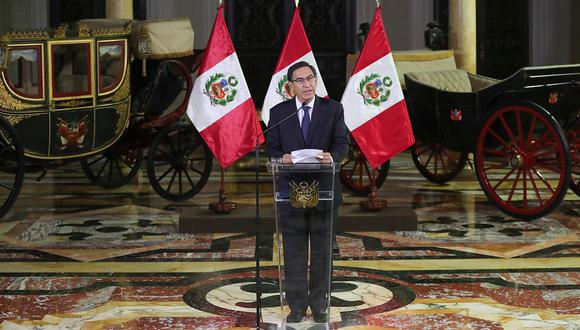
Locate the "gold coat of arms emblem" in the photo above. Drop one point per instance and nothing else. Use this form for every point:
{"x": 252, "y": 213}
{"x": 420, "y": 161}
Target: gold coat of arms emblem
{"x": 304, "y": 195}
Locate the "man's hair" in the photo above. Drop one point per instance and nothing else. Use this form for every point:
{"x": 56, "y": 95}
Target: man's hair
{"x": 297, "y": 66}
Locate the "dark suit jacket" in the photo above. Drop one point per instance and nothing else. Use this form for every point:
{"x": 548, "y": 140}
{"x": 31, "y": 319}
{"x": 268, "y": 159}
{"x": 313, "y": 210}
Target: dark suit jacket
{"x": 328, "y": 132}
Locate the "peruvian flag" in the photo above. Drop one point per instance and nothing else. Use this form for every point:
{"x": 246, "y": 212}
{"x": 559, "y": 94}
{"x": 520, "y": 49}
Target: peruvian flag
{"x": 296, "y": 48}
{"x": 375, "y": 109}
{"x": 220, "y": 105}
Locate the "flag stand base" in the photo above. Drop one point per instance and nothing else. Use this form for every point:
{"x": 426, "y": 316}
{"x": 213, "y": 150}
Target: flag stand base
{"x": 373, "y": 203}
{"x": 222, "y": 206}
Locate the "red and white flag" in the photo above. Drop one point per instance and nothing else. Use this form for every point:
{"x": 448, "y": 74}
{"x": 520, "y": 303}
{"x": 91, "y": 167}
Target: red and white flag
{"x": 220, "y": 105}
{"x": 375, "y": 109}
{"x": 296, "y": 48}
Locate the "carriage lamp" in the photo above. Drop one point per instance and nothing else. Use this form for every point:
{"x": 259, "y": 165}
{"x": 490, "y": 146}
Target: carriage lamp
{"x": 3, "y": 53}
{"x": 144, "y": 49}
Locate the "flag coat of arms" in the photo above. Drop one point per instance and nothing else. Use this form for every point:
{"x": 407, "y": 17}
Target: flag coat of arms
{"x": 375, "y": 109}
{"x": 220, "y": 105}
{"x": 296, "y": 48}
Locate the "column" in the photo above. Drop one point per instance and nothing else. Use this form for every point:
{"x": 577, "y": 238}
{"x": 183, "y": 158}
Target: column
{"x": 120, "y": 9}
{"x": 462, "y": 33}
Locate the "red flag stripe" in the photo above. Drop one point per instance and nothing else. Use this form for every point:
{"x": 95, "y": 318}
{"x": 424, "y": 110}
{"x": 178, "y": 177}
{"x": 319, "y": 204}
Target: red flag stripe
{"x": 234, "y": 135}
{"x": 391, "y": 125}
{"x": 220, "y": 43}
{"x": 296, "y": 44}
{"x": 379, "y": 46}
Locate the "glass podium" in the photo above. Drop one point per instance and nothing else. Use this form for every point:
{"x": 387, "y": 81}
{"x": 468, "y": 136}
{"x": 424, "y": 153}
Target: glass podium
{"x": 305, "y": 207}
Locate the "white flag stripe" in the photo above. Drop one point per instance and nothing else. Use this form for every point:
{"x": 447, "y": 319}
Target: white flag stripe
{"x": 352, "y": 100}
{"x": 206, "y": 114}
{"x": 273, "y": 97}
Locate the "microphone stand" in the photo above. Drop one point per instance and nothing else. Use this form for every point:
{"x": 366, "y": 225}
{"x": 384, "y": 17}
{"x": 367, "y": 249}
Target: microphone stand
{"x": 257, "y": 224}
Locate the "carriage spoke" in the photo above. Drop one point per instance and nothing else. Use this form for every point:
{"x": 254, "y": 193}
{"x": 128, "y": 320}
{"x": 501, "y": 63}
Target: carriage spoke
{"x": 96, "y": 160}
{"x": 520, "y": 129}
{"x": 514, "y": 185}
{"x": 544, "y": 180}
{"x": 499, "y": 138}
{"x": 506, "y": 127}
{"x": 435, "y": 169}
{"x": 535, "y": 187}
{"x": 118, "y": 166}
{"x": 360, "y": 172}
{"x": 525, "y": 190}
{"x": 7, "y": 187}
{"x": 171, "y": 181}
{"x": 189, "y": 178}
{"x": 7, "y": 147}
{"x": 428, "y": 159}
{"x": 165, "y": 173}
{"x": 531, "y": 131}
{"x": 502, "y": 180}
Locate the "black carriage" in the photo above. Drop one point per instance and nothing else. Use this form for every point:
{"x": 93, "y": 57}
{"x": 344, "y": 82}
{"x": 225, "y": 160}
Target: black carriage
{"x": 101, "y": 91}
{"x": 524, "y": 132}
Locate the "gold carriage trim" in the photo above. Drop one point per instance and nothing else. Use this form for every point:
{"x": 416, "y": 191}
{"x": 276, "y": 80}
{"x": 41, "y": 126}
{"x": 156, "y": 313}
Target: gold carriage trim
{"x": 304, "y": 195}
{"x": 123, "y": 111}
{"x": 170, "y": 55}
{"x": 9, "y": 102}
{"x": 15, "y": 119}
{"x": 123, "y": 91}
{"x": 26, "y": 35}
{"x": 60, "y": 32}
{"x": 106, "y": 27}
{"x": 73, "y": 103}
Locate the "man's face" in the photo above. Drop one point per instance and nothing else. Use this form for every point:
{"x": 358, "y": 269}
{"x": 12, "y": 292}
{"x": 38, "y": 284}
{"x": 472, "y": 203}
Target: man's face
{"x": 303, "y": 82}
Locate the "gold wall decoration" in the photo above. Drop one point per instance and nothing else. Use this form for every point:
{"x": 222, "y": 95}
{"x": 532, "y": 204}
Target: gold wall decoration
{"x": 15, "y": 119}
{"x": 26, "y": 35}
{"x": 9, "y": 102}
{"x": 304, "y": 195}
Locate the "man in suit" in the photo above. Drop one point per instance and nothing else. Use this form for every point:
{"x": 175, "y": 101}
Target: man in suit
{"x": 318, "y": 124}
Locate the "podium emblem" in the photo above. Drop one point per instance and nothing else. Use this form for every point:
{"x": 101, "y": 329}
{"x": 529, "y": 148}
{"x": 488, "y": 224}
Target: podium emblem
{"x": 304, "y": 195}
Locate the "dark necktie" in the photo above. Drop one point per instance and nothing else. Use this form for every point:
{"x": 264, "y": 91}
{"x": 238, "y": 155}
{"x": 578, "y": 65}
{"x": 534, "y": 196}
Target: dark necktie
{"x": 305, "y": 121}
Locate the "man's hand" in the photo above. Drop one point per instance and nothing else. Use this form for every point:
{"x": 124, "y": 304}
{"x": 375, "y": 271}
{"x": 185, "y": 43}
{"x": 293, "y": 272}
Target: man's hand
{"x": 326, "y": 158}
{"x": 287, "y": 159}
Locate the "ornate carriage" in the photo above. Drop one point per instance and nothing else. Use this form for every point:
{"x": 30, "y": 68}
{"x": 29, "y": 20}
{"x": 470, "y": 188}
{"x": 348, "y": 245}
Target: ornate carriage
{"x": 524, "y": 132}
{"x": 101, "y": 91}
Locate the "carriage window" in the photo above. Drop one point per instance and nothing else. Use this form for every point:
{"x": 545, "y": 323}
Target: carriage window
{"x": 111, "y": 65}
{"x": 23, "y": 71}
{"x": 71, "y": 70}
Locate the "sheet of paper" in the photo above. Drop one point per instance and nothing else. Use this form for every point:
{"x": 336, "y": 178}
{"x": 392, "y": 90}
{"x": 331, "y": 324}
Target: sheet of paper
{"x": 306, "y": 156}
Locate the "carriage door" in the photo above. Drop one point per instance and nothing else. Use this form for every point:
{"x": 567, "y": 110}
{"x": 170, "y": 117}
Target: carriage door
{"x": 72, "y": 97}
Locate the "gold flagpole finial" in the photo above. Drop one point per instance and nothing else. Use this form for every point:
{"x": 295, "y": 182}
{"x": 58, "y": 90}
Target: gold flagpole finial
{"x": 296, "y": 2}
{"x": 220, "y": 3}
{"x": 378, "y": 3}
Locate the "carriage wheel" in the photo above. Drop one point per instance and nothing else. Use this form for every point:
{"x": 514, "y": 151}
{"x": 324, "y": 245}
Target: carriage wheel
{"x": 179, "y": 163}
{"x": 522, "y": 160}
{"x": 11, "y": 166}
{"x": 355, "y": 173}
{"x": 437, "y": 163}
{"x": 114, "y": 167}
{"x": 573, "y": 136}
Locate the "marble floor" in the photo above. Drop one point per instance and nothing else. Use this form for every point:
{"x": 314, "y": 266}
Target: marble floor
{"x": 76, "y": 256}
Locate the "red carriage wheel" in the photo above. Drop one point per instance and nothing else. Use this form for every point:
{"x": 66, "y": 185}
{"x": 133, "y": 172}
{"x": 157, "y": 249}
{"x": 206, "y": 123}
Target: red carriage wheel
{"x": 522, "y": 160}
{"x": 355, "y": 172}
{"x": 437, "y": 163}
{"x": 12, "y": 167}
